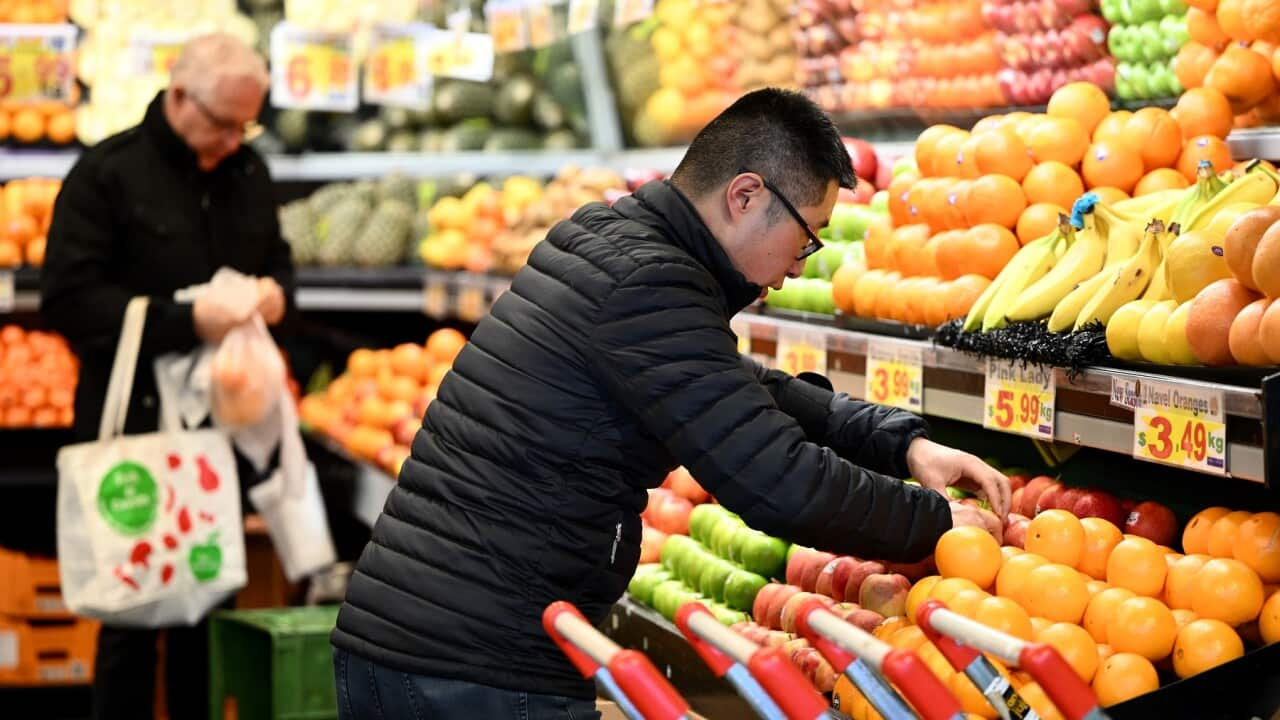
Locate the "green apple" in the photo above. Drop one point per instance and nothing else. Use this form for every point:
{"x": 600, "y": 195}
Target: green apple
{"x": 1173, "y": 81}
{"x": 727, "y": 616}
{"x": 674, "y": 548}
{"x": 1161, "y": 80}
{"x": 642, "y": 586}
{"x": 1173, "y": 8}
{"x": 738, "y": 543}
{"x": 956, "y": 493}
{"x": 722, "y": 535}
{"x": 703, "y": 519}
{"x": 906, "y": 163}
{"x": 849, "y": 222}
{"x": 680, "y": 599}
{"x": 1124, "y": 89}
{"x": 1118, "y": 42}
{"x": 1112, "y": 11}
{"x": 689, "y": 567}
{"x": 1126, "y": 14}
{"x": 1140, "y": 81}
{"x": 763, "y": 555}
{"x": 205, "y": 560}
{"x": 741, "y": 588}
{"x": 880, "y": 202}
{"x": 714, "y": 574}
{"x": 1173, "y": 34}
{"x": 1141, "y": 11}
{"x": 1150, "y": 40}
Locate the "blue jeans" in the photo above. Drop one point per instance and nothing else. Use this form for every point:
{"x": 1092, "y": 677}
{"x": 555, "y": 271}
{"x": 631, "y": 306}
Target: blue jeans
{"x": 368, "y": 691}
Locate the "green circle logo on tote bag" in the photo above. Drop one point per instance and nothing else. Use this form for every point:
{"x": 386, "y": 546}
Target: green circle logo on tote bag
{"x": 128, "y": 498}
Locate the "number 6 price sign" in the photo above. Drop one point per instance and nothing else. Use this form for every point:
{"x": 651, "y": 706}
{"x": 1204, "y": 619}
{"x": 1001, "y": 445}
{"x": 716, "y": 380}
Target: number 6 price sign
{"x": 1019, "y": 398}
{"x": 1181, "y": 425}
{"x": 312, "y": 70}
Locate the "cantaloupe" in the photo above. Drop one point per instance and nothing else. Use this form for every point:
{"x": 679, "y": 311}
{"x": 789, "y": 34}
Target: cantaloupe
{"x": 1269, "y": 332}
{"x": 1209, "y": 322}
{"x": 1266, "y": 262}
{"x": 1245, "y": 344}
{"x": 1242, "y": 241}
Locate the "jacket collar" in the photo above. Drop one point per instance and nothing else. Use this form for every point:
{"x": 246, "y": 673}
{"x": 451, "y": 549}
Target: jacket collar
{"x": 157, "y": 127}
{"x": 661, "y": 206}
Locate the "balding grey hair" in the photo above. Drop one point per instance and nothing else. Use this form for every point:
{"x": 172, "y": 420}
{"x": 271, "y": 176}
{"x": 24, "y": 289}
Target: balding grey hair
{"x": 208, "y": 59}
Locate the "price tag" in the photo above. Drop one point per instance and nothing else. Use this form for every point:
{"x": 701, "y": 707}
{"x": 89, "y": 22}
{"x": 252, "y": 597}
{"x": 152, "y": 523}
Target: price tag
{"x": 7, "y": 291}
{"x": 507, "y": 25}
{"x": 895, "y": 375}
{"x": 464, "y": 56}
{"x": 472, "y": 303}
{"x": 802, "y": 351}
{"x": 582, "y": 15}
{"x": 1019, "y": 398}
{"x": 1124, "y": 392}
{"x": 37, "y": 62}
{"x": 312, "y": 70}
{"x": 542, "y": 29}
{"x": 626, "y": 12}
{"x": 1181, "y": 425}
{"x": 435, "y": 299}
{"x": 154, "y": 53}
{"x": 743, "y": 331}
{"x": 396, "y": 70}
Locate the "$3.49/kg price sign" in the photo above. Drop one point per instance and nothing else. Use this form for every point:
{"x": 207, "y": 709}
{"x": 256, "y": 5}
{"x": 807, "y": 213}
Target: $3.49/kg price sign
{"x": 1019, "y": 398}
{"x": 395, "y": 72}
{"x": 801, "y": 351}
{"x": 37, "y": 62}
{"x": 895, "y": 375}
{"x": 313, "y": 70}
{"x": 1181, "y": 425}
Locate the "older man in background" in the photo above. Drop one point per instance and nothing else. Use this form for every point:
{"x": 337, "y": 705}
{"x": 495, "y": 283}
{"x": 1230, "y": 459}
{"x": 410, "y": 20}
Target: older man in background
{"x": 152, "y": 210}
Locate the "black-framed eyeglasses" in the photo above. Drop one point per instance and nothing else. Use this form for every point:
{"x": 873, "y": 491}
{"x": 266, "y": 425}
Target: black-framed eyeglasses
{"x": 814, "y": 244}
{"x": 247, "y": 131}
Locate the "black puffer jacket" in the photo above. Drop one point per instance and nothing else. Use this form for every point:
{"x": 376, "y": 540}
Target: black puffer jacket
{"x": 609, "y": 362}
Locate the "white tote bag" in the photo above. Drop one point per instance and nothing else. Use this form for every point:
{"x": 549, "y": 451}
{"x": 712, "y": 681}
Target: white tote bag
{"x": 150, "y": 531}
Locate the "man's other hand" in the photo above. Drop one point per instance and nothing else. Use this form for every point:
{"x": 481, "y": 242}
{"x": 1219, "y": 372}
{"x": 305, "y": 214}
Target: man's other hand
{"x": 969, "y": 515}
{"x": 938, "y": 467}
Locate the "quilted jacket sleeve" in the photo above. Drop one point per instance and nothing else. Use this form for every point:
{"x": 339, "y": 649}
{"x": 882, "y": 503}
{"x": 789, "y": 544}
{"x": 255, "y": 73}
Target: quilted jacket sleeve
{"x": 661, "y": 345}
{"x": 869, "y": 435}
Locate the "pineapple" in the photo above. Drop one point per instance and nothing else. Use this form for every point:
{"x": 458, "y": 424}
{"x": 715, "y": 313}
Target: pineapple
{"x": 297, "y": 226}
{"x": 383, "y": 240}
{"x": 340, "y": 229}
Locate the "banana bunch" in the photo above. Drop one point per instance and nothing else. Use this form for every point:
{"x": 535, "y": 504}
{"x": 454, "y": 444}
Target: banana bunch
{"x": 1207, "y": 186}
{"x": 1026, "y": 268}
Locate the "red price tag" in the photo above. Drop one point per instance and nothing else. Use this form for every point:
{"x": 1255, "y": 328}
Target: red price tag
{"x": 1019, "y": 399}
{"x": 1180, "y": 425}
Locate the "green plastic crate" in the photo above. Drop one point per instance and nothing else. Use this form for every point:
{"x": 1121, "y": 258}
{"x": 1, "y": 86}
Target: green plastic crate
{"x": 277, "y": 664}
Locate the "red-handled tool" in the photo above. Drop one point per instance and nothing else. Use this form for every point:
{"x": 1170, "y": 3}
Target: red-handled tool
{"x": 867, "y": 661}
{"x": 626, "y": 675}
{"x": 794, "y": 695}
{"x": 707, "y": 636}
{"x": 961, "y": 641}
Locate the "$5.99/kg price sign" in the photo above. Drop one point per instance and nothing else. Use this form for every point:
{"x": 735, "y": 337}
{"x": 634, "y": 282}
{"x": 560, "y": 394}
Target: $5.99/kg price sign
{"x": 801, "y": 351}
{"x": 1180, "y": 425}
{"x": 894, "y": 375}
{"x": 313, "y": 70}
{"x": 1019, "y": 398}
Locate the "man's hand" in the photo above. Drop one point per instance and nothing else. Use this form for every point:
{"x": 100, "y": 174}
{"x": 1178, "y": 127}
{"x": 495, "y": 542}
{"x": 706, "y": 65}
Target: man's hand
{"x": 270, "y": 300}
{"x": 938, "y": 467}
{"x": 970, "y": 515}
{"x": 212, "y": 321}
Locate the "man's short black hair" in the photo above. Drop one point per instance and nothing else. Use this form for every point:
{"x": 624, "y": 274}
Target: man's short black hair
{"x": 778, "y": 133}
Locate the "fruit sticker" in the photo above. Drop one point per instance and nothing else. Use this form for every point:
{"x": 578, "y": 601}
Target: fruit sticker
{"x": 128, "y": 498}
{"x": 205, "y": 560}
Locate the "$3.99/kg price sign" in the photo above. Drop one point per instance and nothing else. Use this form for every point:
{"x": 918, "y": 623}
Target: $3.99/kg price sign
{"x": 1180, "y": 425}
{"x": 894, "y": 375}
{"x": 1019, "y": 398}
{"x": 801, "y": 351}
{"x": 313, "y": 70}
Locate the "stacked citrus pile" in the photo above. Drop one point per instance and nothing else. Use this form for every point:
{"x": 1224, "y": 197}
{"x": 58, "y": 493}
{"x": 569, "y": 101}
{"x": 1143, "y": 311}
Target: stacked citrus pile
{"x": 32, "y": 122}
{"x": 26, "y": 210}
{"x": 1117, "y": 607}
{"x": 1233, "y": 50}
{"x": 375, "y": 408}
{"x": 38, "y": 377}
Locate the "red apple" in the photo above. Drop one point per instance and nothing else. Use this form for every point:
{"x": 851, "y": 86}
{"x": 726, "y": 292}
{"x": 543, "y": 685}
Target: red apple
{"x": 1015, "y": 502}
{"x": 824, "y": 676}
{"x": 1066, "y": 499}
{"x": 885, "y": 594}
{"x": 1018, "y": 481}
{"x": 1047, "y": 499}
{"x": 816, "y": 561}
{"x": 792, "y": 606}
{"x": 671, "y": 514}
{"x": 843, "y": 570}
{"x": 651, "y": 540}
{"x": 864, "y": 158}
{"x": 914, "y": 571}
{"x": 773, "y": 613}
{"x": 858, "y": 574}
{"x": 1154, "y": 522}
{"x": 864, "y": 619}
{"x": 1100, "y": 504}
{"x": 825, "y": 582}
{"x": 760, "y": 607}
{"x": 796, "y": 565}
{"x": 683, "y": 484}
{"x": 777, "y": 638}
{"x": 1015, "y": 531}
{"x": 1031, "y": 493}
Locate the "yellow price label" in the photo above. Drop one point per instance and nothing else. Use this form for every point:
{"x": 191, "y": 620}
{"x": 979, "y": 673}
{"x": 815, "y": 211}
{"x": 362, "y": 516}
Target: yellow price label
{"x": 801, "y": 351}
{"x": 582, "y": 15}
{"x": 542, "y": 30}
{"x": 895, "y": 376}
{"x": 1019, "y": 399}
{"x": 435, "y": 300}
{"x": 1180, "y": 425}
{"x": 465, "y": 56}
{"x": 472, "y": 303}
{"x": 312, "y": 70}
{"x": 36, "y": 62}
{"x": 392, "y": 64}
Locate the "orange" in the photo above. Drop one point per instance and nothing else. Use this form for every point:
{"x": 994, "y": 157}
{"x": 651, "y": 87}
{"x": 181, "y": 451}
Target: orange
{"x": 61, "y": 127}
{"x": 1082, "y": 101}
{"x": 1009, "y": 552}
{"x": 1055, "y": 592}
{"x": 1040, "y": 218}
{"x": 444, "y": 344}
{"x": 1005, "y": 615}
{"x": 1222, "y": 537}
{"x": 1114, "y": 164}
{"x": 27, "y": 125}
{"x": 1111, "y": 127}
{"x": 947, "y": 588}
{"x": 925, "y": 144}
{"x": 1269, "y": 619}
{"x": 1100, "y": 538}
{"x": 1202, "y": 111}
{"x": 1257, "y": 545}
{"x": 1095, "y": 586}
{"x": 1195, "y": 536}
{"x": 899, "y": 206}
{"x": 1001, "y": 152}
{"x": 1139, "y": 565}
{"x": 1101, "y": 610}
{"x": 961, "y": 294}
{"x": 1161, "y": 179}
{"x": 1013, "y": 574}
{"x": 972, "y": 702}
{"x": 1183, "y": 617}
{"x": 875, "y": 242}
{"x": 1243, "y": 76}
{"x": 1227, "y": 590}
{"x": 1109, "y": 195}
{"x": 362, "y": 363}
{"x": 842, "y": 283}
{"x": 947, "y": 151}
{"x": 410, "y": 360}
{"x": 889, "y": 627}
{"x": 1036, "y": 698}
{"x": 996, "y": 199}
{"x": 1192, "y": 64}
{"x": 1203, "y": 28}
{"x": 966, "y": 602}
{"x": 1144, "y": 626}
{"x": 907, "y": 638}
{"x": 1105, "y": 651}
{"x": 1052, "y": 182}
{"x": 968, "y": 552}
{"x": 982, "y": 250}
{"x": 1155, "y": 135}
{"x": 1124, "y": 676}
{"x": 867, "y": 291}
{"x": 1057, "y": 536}
{"x": 1204, "y": 147}
{"x": 1075, "y": 645}
{"x": 1203, "y": 645}
{"x": 1061, "y": 139}
{"x": 919, "y": 593}
{"x": 1179, "y": 584}
{"x": 905, "y": 246}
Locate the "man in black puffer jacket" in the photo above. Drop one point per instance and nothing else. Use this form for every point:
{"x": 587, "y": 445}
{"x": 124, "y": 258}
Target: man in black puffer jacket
{"x": 608, "y": 363}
